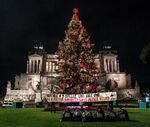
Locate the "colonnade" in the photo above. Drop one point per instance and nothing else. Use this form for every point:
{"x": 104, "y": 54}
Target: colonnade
{"x": 111, "y": 65}
{"x": 34, "y": 66}
{"x": 51, "y": 66}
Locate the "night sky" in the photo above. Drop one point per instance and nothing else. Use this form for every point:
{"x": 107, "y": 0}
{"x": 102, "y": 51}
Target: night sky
{"x": 124, "y": 24}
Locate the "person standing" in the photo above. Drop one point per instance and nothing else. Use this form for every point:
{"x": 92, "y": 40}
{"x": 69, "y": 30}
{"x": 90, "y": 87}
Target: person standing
{"x": 52, "y": 107}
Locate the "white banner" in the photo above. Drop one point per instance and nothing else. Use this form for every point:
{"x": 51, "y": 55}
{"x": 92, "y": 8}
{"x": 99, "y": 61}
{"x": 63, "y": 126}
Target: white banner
{"x": 89, "y": 97}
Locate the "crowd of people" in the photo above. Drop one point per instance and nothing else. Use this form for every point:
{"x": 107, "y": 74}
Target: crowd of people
{"x": 98, "y": 115}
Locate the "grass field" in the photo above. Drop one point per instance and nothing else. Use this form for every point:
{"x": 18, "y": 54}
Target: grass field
{"x": 36, "y": 117}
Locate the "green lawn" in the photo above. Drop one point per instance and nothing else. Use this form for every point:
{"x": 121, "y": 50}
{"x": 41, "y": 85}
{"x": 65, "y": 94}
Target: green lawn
{"x": 36, "y": 117}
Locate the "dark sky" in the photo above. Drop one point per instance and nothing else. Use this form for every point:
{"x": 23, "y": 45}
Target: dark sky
{"x": 126, "y": 24}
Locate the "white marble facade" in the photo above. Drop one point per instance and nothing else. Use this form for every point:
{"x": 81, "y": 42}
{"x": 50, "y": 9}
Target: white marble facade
{"x": 42, "y": 67}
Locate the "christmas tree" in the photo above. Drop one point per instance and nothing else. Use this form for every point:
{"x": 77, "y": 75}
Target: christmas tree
{"x": 77, "y": 68}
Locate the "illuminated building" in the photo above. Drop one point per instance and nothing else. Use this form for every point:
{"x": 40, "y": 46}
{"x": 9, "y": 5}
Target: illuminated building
{"x": 42, "y": 67}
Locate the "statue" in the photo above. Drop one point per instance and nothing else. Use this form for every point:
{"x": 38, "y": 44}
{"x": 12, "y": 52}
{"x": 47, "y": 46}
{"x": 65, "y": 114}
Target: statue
{"x": 8, "y": 84}
{"x": 137, "y": 85}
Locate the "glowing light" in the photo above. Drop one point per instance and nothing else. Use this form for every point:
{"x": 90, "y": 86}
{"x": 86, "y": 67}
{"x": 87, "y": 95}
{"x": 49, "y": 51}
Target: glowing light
{"x": 76, "y": 10}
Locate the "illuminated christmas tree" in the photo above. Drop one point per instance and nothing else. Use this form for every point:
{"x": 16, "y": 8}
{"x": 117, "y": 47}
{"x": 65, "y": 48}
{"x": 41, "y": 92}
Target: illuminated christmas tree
{"x": 77, "y": 67}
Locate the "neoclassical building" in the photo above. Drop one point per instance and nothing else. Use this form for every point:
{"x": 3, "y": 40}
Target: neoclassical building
{"x": 41, "y": 71}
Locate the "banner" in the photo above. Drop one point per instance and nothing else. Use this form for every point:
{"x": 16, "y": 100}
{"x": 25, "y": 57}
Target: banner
{"x": 89, "y": 97}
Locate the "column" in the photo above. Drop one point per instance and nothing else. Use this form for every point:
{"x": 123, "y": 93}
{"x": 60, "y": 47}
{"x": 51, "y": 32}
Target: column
{"x": 40, "y": 66}
{"x": 105, "y": 65}
{"x": 47, "y": 66}
{"x": 27, "y": 67}
{"x": 53, "y": 67}
{"x": 115, "y": 62}
{"x": 37, "y": 66}
{"x": 33, "y": 66}
{"x": 50, "y": 66}
{"x": 108, "y": 64}
{"x": 48, "y": 63}
{"x": 118, "y": 69}
{"x": 56, "y": 67}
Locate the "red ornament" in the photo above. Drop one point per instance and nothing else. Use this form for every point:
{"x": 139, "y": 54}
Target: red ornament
{"x": 88, "y": 87}
{"x": 81, "y": 65}
{"x": 88, "y": 45}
